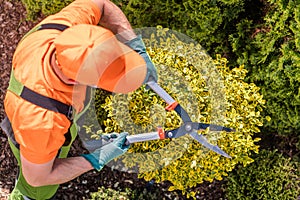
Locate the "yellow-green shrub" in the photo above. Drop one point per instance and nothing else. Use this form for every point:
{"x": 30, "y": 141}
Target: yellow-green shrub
{"x": 187, "y": 163}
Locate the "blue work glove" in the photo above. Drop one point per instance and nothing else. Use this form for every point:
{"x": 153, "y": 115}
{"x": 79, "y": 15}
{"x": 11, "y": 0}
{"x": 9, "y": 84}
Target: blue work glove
{"x": 138, "y": 45}
{"x": 108, "y": 152}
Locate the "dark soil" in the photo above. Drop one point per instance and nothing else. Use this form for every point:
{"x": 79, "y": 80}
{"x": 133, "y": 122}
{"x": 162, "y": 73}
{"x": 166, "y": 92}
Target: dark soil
{"x": 13, "y": 26}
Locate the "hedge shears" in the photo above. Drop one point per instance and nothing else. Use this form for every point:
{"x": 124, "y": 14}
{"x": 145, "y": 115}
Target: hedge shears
{"x": 188, "y": 126}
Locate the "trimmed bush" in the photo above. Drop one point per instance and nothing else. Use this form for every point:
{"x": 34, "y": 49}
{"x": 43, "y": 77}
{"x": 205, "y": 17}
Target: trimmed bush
{"x": 270, "y": 176}
{"x": 142, "y": 111}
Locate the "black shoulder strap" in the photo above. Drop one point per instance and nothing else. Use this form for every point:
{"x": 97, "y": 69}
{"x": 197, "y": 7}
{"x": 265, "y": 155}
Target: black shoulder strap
{"x": 47, "y": 102}
{"x": 60, "y": 27}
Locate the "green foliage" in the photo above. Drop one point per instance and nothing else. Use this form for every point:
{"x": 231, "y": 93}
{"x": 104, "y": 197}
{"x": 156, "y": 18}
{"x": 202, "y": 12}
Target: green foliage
{"x": 142, "y": 111}
{"x": 45, "y": 7}
{"x": 270, "y": 176}
{"x": 273, "y": 60}
{"x": 209, "y": 22}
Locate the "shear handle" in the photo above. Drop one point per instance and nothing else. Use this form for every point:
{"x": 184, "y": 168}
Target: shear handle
{"x": 158, "y": 135}
{"x": 161, "y": 92}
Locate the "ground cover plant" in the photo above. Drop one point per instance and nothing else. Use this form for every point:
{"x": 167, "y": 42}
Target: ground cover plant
{"x": 271, "y": 176}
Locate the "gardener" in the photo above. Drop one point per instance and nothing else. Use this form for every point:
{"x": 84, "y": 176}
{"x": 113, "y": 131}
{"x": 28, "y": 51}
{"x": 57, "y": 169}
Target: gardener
{"x": 67, "y": 51}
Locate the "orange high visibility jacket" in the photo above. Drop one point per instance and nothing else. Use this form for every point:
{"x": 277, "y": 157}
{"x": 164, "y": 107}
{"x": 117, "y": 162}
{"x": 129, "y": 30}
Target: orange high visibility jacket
{"x": 40, "y": 132}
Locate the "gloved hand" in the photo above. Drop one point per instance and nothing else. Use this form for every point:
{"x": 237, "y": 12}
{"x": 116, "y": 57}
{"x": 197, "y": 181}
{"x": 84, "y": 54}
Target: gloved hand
{"x": 93, "y": 144}
{"x": 109, "y": 136}
{"x": 108, "y": 152}
{"x": 138, "y": 45}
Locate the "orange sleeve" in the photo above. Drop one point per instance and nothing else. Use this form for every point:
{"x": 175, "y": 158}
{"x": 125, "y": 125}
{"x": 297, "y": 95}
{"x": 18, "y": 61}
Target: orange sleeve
{"x": 78, "y": 12}
{"x": 39, "y": 132}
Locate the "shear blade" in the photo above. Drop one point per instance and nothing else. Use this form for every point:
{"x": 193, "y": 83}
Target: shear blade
{"x": 213, "y": 127}
{"x": 204, "y": 142}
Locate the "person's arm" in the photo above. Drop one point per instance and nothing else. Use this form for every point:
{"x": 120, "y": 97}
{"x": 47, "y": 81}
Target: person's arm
{"x": 114, "y": 19}
{"x": 61, "y": 170}
{"x": 56, "y": 171}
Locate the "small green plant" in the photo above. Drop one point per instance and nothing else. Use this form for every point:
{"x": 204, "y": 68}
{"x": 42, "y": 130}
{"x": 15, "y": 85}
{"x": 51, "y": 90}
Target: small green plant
{"x": 129, "y": 194}
{"x": 110, "y": 194}
{"x": 270, "y": 176}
